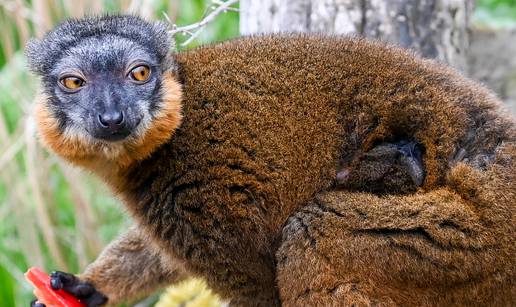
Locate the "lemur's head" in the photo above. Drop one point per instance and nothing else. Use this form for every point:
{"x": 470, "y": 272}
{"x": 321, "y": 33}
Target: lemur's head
{"x": 108, "y": 88}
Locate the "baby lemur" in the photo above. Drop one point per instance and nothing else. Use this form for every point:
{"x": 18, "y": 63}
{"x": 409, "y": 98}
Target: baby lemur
{"x": 294, "y": 170}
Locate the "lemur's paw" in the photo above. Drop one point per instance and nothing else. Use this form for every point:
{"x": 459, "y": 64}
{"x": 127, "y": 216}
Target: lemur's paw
{"x": 82, "y": 290}
{"x": 391, "y": 168}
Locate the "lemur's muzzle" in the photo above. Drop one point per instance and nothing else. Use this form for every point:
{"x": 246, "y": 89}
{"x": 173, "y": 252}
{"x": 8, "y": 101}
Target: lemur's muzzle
{"x": 112, "y": 125}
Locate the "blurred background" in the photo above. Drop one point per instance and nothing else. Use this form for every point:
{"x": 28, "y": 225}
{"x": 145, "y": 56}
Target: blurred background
{"x": 56, "y": 217}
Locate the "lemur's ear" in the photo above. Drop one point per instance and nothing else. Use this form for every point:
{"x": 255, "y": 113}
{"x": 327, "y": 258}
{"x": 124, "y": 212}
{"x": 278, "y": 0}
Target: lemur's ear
{"x": 34, "y": 55}
{"x": 167, "y": 44}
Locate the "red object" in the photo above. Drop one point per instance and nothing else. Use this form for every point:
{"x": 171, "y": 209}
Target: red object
{"x": 47, "y": 295}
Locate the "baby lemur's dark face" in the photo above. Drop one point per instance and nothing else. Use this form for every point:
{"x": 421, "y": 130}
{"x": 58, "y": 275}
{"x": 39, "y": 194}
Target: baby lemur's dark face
{"x": 103, "y": 76}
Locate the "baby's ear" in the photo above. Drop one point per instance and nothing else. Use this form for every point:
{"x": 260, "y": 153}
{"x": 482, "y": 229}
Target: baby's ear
{"x": 34, "y": 56}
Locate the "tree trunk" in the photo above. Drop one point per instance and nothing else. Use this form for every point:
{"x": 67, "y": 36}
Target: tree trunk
{"x": 434, "y": 28}
{"x": 492, "y": 61}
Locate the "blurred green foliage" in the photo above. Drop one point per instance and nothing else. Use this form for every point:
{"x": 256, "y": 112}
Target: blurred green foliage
{"x": 495, "y": 13}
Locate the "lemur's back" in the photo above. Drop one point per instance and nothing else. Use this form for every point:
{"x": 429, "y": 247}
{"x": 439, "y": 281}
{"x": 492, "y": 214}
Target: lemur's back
{"x": 271, "y": 119}
{"x": 274, "y": 116}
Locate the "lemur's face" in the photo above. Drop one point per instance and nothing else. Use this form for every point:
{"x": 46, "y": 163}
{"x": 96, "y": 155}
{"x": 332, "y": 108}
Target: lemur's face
{"x": 108, "y": 87}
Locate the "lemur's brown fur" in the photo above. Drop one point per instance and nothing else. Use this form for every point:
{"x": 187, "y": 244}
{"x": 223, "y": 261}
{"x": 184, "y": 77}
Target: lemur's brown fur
{"x": 449, "y": 246}
{"x": 267, "y": 122}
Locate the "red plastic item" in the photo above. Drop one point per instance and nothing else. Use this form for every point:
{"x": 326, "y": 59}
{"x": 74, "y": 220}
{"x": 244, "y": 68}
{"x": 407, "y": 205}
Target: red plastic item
{"x": 47, "y": 295}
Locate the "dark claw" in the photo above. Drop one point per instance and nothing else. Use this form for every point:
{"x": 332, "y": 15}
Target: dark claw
{"x": 56, "y": 283}
{"x": 82, "y": 290}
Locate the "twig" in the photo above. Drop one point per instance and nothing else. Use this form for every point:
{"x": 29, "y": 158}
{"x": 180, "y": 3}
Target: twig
{"x": 218, "y": 2}
{"x": 192, "y": 37}
{"x": 196, "y": 28}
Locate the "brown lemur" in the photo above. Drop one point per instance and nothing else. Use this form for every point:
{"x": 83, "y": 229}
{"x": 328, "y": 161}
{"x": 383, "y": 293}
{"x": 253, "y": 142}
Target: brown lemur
{"x": 294, "y": 170}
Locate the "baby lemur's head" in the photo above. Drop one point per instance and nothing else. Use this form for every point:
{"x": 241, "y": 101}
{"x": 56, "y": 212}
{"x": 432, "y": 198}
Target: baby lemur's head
{"x": 109, "y": 89}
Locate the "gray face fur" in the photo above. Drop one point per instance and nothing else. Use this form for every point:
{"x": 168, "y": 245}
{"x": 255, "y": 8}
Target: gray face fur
{"x": 101, "y": 51}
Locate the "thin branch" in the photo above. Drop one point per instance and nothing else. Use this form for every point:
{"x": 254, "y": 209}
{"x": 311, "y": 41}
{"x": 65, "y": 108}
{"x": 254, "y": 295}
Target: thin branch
{"x": 192, "y": 37}
{"x": 195, "y": 29}
{"x": 218, "y": 2}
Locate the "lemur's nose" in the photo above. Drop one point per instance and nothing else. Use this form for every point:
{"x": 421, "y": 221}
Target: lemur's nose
{"x": 111, "y": 120}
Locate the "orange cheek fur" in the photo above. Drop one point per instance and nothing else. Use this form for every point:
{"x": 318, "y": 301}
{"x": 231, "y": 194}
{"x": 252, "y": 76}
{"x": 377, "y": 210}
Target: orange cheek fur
{"x": 93, "y": 155}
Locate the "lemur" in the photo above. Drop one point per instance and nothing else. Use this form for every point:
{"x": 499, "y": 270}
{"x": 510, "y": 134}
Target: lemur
{"x": 292, "y": 169}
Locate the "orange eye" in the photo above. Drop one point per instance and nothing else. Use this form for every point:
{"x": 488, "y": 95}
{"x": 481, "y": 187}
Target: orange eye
{"x": 140, "y": 73}
{"x": 72, "y": 83}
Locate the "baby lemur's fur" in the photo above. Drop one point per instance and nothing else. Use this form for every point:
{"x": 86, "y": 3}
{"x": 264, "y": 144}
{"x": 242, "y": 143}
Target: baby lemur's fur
{"x": 279, "y": 180}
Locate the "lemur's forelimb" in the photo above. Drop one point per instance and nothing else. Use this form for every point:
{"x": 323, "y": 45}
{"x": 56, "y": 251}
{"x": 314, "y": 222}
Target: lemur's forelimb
{"x": 112, "y": 276}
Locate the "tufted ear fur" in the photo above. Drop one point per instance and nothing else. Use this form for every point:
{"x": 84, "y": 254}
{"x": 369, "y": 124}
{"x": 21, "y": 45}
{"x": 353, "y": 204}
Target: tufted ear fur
{"x": 167, "y": 44}
{"x": 34, "y": 56}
